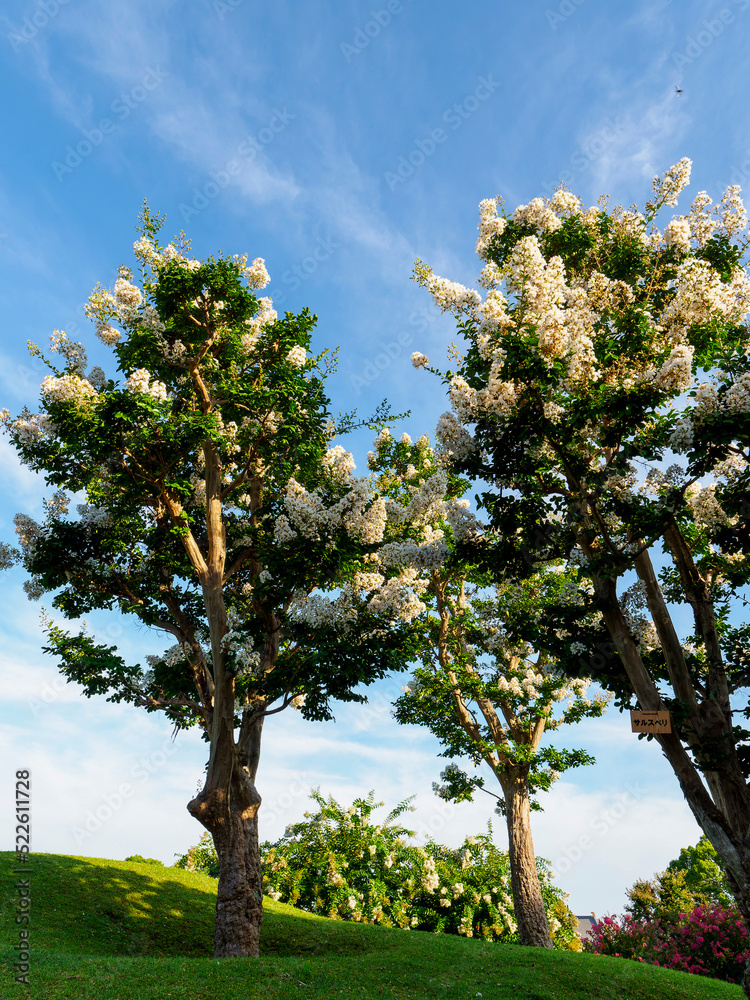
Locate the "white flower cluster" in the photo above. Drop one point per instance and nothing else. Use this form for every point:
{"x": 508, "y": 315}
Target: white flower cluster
{"x": 151, "y": 320}
{"x": 128, "y": 298}
{"x": 450, "y": 296}
{"x": 92, "y": 516}
{"x": 701, "y": 297}
{"x": 463, "y": 523}
{"x": 28, "y": 531}
{"x": 319, "y": 611}
{"x": 737, "y": 397}
{"x": 149, "y": 254}
{"x": 667, "y": 187}
{"x": 428, "y": 554}
{"x": 256, "y": 275}
{"x": 677, "y": 233}
{"x": 490, "y": 276}
{"x": 702, "y": 225}
{"x": 635, "y": 609}
{"x": 74, "y": 353}
{"x": 631, "y": 225}
{"x": 108, "y": 334}
{"x": 140, "y": 382}
{"x": 681, "y": 438}
{"x": 430, "y": 880}
{"x": 490, "y": 224}
{"x": 297, "y": 356}
{"x": 676, "y": 374}
{"x": 172, "y": 656}
{"x": 397, "y": 597}
{"x": 101, "y": 306}
{"x": 453, "y": 437}
{"x": 537, "y": 214}
{"x": 731, "y": 212}
{"x": 565, "y": 203}
{"x": 419, "y": 360}
{"x": 731, "y": 468}
{"x": 306, "y": 513}
{"x": 339, "y": 462}
{"x": 266, "y": 316}
{"x": 463, "y": 399}
{"x": 30, "y": 427}
{"x": 706, "y": 509}
{"x": 520, "y": 689}
{"x": 563, "y": 316}
{"x": 68, "y": 389}
{"x": 493, "y": 315}
{"x": 97, "y": 378}
{"x": 706, "y": 401}
{"x": 241, "y": 646}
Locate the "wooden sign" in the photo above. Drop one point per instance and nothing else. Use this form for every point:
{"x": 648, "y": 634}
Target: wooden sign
{"x": 650, "y": 722}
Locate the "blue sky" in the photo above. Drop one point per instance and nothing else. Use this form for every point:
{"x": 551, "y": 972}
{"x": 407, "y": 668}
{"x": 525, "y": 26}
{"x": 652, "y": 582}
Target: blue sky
{"x": 338, "y": 141}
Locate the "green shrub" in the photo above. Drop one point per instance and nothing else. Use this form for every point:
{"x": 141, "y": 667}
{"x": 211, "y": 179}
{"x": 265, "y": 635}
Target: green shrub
{"x": 200, "y": 858}
{"x": 338, "y": 863}
{"x": 144, "y": 861}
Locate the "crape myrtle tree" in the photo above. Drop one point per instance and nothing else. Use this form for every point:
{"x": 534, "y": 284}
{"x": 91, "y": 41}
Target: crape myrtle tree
{"x": 485, "y": 694}
{"x": 604, "y": 398}
{"x": 215, "y": 511}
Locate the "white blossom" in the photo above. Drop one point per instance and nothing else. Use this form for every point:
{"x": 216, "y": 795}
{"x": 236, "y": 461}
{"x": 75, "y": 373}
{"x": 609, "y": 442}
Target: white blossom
{"x": 140, "y": 382}
{"x": 297, "y": 356}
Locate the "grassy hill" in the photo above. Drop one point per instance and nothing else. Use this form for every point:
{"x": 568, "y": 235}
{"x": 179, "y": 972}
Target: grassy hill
{"x": 117, "y": 930}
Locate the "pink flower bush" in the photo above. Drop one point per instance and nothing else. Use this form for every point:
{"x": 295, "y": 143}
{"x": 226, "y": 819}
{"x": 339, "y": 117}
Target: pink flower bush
{"x": 708, "y": 941}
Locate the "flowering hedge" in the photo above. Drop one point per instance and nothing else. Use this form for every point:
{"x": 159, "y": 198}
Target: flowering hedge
{"x": 708, "y": 941}
{"x": 339, "y": 864}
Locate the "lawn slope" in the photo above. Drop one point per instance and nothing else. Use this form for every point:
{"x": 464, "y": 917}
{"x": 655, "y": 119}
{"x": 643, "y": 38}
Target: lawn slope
{"x": 116, "y": 930}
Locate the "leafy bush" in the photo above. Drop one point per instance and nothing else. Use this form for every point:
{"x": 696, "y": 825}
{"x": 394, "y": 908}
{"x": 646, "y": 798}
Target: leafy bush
{"x": 145, "y": 861}
{"x": 200, "y": 858}
{"x": 703, "y": 873}
{"x": 708, "y": 941}
{"x": 338, "y": 863}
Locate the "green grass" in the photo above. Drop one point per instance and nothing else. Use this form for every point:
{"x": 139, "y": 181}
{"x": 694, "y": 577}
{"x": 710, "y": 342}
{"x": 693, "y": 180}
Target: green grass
{"x": 116, "y": 930}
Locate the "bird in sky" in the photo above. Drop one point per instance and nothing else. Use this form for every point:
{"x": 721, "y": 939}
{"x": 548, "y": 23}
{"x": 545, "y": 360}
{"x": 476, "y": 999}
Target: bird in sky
{"x": 679, "y": 90}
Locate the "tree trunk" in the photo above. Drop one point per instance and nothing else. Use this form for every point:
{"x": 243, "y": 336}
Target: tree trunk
{"x": 527, "y": 893}
{"x": 228, "y": 808}
{"x": 239, "y": 902}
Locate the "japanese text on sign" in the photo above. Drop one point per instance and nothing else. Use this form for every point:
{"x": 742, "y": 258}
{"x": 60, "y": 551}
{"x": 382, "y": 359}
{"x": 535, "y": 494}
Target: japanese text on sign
{"x": 650, "y": 722}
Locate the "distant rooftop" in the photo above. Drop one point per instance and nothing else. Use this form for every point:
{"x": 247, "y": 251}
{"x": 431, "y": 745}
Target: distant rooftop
{"x": 585, "y": 925}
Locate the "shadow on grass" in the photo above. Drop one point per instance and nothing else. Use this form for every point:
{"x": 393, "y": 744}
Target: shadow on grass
{"x": 92, "y": 906}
